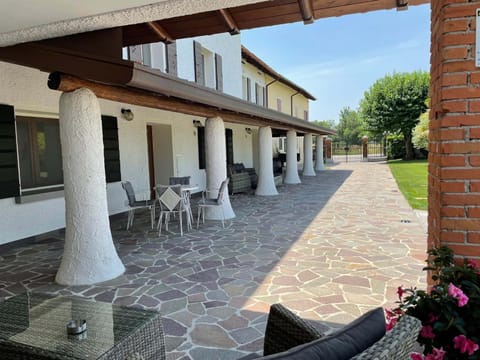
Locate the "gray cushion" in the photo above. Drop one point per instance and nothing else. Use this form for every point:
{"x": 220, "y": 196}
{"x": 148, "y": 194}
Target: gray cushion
{"x": 342, "y": 345}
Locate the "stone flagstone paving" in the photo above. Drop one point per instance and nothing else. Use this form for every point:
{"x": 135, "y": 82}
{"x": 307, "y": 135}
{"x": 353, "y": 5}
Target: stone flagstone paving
{"x": 330, "y": 249}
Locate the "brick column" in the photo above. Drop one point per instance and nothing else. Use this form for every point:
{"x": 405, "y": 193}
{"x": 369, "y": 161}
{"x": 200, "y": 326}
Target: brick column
{"x": 364, "y": 148}
{"x": 328, "y": 150}
{"x": 454, "y": 150}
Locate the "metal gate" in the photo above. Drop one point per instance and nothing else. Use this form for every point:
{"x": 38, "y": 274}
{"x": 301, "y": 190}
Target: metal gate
{"x": 343, "y": 152}
{"x": 377, "y": 150}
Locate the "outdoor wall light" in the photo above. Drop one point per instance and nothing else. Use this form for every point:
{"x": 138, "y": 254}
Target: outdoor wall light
{"x": 248, "y": 131}
{"x": 127, "y": 114}
{"x": 197, "y": 123}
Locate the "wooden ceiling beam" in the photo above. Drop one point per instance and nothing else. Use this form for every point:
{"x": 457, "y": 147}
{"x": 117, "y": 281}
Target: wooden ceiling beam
{"x": 160, "y": 32}
{"x": 306, "y": 9}
{"x": 229, "y": 21}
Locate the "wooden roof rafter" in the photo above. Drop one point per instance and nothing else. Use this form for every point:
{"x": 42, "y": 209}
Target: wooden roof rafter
{"x": 229, "y": 21}
{"x": 306, "y": 9}
{"x": 160, "y": 32}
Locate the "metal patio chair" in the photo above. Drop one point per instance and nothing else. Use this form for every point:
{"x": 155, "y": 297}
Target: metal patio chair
{"x": 213, "y": 203}
{"x": 135, "y": 204}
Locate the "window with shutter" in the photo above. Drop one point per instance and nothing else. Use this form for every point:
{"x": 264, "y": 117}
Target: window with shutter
{"x": 279, "y": 104}
{"x": 9, "y": 182}
{"x": 244, "y": 88}
{"x": 111, "y": 148}
{"x": 249, "y": 89}
{"x": 305, "y": 115}
{"x": 39, "y": 152}
{"x": 259, "y": 94}
{"x": 171, "y": 55}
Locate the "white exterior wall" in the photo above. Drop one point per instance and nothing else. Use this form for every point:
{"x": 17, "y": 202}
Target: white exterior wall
{"x": 227, "y": 46}
{"x": 26, "y": 89}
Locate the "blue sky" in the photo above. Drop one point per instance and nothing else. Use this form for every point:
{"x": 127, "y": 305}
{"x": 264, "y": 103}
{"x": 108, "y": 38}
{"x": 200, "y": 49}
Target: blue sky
{"x": 338, "y": 59}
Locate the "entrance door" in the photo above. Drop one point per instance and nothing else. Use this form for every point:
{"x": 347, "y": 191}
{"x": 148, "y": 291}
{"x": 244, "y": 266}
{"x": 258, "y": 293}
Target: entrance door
{"x": 160, "y": 153}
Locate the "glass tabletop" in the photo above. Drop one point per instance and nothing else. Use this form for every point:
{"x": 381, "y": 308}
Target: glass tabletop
{"x": 39, "y": 321}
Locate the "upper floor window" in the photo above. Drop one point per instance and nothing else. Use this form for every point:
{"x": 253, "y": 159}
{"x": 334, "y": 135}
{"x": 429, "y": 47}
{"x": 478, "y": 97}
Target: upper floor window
{"x": 279, "y": 104}
{"x": 208, "y": 67}
{"x": 156, "y": 55}
{"x": 259, "y": 94}
{"x": 305, "y": 115}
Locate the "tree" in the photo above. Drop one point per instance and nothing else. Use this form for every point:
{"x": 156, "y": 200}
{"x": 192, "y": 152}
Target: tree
{"x": 420, "y": 132}
{"x": 329, "y": 124}
{"x": 394, "y": 104}
{"x": 350, "y": 126}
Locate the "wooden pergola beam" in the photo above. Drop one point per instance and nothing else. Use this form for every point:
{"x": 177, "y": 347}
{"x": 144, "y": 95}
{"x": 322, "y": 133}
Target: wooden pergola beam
{"x": 128, "y": 95}
{"x": 229, "y": 21}
{"x": 306, "y": 9}
{"x": 402, "y": 5}
{"x": 160, "y": 32}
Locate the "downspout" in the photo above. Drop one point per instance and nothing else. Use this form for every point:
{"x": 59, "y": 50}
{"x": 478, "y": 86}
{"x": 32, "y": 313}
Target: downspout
{"x": 266, "y": 91}
{"x": 291, "y": 102}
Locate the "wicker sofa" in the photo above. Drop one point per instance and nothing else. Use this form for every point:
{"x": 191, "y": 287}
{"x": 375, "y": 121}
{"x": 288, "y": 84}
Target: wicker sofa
{"x": 242, "y": 179}
{"x": 289, "y": 337}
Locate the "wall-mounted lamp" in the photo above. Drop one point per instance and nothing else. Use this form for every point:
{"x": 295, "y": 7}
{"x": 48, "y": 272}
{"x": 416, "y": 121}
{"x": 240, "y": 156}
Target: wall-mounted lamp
{"x": 127, "y": 114}
{"x": 402, "y": 5}
{"x": 197, "y": 123}
{"x": 248, "y": 131}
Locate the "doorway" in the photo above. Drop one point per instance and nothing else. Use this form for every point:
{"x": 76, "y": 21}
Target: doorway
{"x": 160, "y": 154}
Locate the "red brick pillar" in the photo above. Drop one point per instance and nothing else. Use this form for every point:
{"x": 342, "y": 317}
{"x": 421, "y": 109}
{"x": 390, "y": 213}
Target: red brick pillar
{"x": 365, "y": 148}
{"x": 454, "y": 150}
{"x": 328, "y": 150}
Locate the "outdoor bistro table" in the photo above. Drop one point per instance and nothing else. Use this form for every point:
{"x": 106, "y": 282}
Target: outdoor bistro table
{"x": 33, "y": 326}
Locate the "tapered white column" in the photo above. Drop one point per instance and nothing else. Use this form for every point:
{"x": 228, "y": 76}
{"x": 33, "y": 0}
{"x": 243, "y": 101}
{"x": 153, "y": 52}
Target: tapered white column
{"x": 266, "y": 183}
{"x": 319, "y": 165}
{"x": 216, "y": 166}
{"x": 291, "y": 173}
{"x": 89, "y": 255}
{"x": 308, "y": 156}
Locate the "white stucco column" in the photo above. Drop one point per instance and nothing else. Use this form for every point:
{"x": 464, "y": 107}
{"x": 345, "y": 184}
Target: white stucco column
{"x": 319, "y": 165}
{"x": 89, "y": 255}
{"x": 308, "y": 156}
{"x": 266, "y": 183}
{"x": 216, "y": 166}
{"x": 291, "y": 173}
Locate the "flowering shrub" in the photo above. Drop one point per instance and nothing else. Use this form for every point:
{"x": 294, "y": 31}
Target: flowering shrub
{"x": 450, "y": 312}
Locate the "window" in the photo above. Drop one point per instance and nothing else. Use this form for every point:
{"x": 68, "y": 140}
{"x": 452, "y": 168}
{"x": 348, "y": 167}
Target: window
{"x": 279, "y": 104}
{"x": 305, "y": 115}
{"x": 260, "y": 94}
{"x": 201, "y": 146}
{"x": 39, "y": 152}
{"x": 249, "y": 89}
{"x": 244, "y": 88}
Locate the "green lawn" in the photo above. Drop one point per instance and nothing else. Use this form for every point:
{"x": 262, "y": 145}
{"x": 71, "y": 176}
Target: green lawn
{"x": 411, "y": 177}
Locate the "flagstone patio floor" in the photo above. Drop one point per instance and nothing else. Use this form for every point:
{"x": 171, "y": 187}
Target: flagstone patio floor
{"x": 330, "y": 249}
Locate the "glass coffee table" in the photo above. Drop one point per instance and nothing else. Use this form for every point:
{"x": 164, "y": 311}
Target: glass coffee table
{"x": 33, "y": 326}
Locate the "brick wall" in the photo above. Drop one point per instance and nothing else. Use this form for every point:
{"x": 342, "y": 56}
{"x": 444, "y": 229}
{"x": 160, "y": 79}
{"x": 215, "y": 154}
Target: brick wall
{"x": 454, "y": 157}
{"x": 327, "y": 149}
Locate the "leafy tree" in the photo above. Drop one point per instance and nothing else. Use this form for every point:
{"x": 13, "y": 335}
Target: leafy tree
{"x": 329, "y": 124}
{"x": 350, "y": 126}
{"x": 394, "y": 104}
{"x": 420, "y": 132}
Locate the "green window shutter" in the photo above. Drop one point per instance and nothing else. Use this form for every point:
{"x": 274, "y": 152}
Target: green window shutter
{"x": 9, "y": 182}
{"x": 111, "y": 149}
{"x": 229, "y": 145}
{"x": 201, "y": 147}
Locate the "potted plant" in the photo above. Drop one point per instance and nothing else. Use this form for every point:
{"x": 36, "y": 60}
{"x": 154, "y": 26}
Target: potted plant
{"x": 450, "y": 311}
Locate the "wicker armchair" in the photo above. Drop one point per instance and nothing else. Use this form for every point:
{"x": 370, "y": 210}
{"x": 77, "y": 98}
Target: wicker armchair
{"x": 289, "y": 337}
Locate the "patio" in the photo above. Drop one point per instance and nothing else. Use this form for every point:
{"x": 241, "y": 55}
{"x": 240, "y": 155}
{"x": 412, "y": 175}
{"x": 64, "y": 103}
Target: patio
{"x": 330, "y": 249}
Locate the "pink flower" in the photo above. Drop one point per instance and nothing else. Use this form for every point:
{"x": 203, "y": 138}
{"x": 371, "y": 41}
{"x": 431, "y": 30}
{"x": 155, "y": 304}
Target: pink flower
{"x": 391, "y": 323}
{"x": 437, "y": 354}
{"x": 432, "y": 318}
{"x": 416, "y": 356}
{"x": 458, "y": 294}
{"x": 400, "y": 292}
{"x": 464, "y": 345}
{"x": 427, "y": 332}
{"x": 472, "y": 263}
